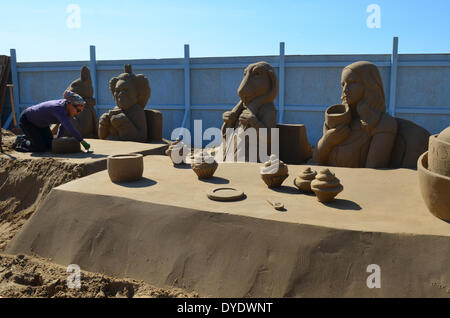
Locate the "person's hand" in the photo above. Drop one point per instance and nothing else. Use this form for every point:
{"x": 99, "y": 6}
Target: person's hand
{"x": 247, "y": 118}
{"x": 85, "y": 145}
{"x": 229, "y": 117}
{"x": 338, "y": 135}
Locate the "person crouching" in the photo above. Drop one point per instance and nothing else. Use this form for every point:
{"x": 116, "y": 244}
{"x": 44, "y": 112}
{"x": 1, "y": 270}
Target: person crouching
{"x": 35, "y": 122}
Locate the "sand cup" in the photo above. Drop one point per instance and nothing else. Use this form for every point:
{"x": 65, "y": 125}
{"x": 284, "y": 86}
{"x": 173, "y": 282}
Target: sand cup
{"x": 125, "y": 168}
{"x": 336, "y": 115}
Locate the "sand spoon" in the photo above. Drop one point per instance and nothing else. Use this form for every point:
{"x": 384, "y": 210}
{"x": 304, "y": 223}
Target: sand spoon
{"x": 276, "y": 205}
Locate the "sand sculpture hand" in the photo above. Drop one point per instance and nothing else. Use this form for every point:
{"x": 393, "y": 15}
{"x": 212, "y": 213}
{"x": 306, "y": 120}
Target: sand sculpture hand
{"x": 105, "y": 120}
{"x": 247, "y": 118}
{"x": 229, "y": 117}
{"x": 119, "y": 120}
{"x": 336, "y": 136}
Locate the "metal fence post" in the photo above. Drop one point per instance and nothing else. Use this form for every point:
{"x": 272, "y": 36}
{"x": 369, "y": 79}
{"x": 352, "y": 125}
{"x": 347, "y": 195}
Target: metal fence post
{"x": 187, "y": 87}
{"x": 281, "y": 85}
{"x": 393, "y": 80}
{"x": 93, "y": 68}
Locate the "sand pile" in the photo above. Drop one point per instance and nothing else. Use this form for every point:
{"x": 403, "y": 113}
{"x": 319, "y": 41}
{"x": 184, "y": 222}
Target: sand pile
{"x": 24, "y": 183}
{"x": 24, "y": 276}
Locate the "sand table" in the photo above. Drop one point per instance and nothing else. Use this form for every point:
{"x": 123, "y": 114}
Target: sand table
{"x": 96, "y": 160}
{"x": 164, "y": 230}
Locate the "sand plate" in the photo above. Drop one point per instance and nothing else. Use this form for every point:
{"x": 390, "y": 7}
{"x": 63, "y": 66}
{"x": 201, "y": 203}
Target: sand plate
{"x": 225, "y": 194}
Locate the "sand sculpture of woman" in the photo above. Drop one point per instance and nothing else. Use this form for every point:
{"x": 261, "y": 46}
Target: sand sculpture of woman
{"x": 369, "y": 137}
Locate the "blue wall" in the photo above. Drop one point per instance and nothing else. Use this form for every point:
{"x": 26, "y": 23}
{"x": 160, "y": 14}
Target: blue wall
{"x": 311, "y": 84}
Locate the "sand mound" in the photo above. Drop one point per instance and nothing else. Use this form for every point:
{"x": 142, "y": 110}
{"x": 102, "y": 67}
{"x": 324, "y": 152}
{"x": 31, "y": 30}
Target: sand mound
{"x": 24, "y": 183}
{"x": 24, "y": 276}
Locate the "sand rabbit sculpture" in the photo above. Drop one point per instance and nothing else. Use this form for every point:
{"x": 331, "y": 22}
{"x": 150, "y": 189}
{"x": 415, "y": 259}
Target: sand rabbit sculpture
{"x": 256, "y": 109}
{"x": 85, "y": 122}
{"x": 127, "y": 121}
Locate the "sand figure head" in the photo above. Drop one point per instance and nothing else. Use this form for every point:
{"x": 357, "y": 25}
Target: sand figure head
{"x": 129, "y": 89}
{"x": 259, "y": 85}
{"x": 83, "y": 87}
{"x": 363, "y": 92}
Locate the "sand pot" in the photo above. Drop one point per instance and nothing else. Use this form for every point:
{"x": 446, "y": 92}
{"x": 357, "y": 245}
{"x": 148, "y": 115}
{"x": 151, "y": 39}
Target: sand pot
{"x": 205, "y": 170}
{"x": 336, "y": 115}
{"x": 439, "y": 153}
{"x": 123, "y": 168}
{"x": 326, "y": 186}
{"x": 179, "y": 150}
{"x": 435, "y": 189}
{"x": 65, "y": 145}
{"x": 303, "y": 181}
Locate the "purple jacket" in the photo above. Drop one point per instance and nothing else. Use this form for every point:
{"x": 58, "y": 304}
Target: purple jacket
{"x": 52, "y": 112}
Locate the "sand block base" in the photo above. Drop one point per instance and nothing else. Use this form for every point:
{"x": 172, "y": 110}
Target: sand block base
{"x": 164, "y": 230}
{"x": 96, "y": 160}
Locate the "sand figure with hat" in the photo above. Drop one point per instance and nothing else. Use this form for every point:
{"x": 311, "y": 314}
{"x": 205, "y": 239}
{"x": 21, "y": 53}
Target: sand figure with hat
{"x": 360, "y": 134}
{"x": 127, "y": 121}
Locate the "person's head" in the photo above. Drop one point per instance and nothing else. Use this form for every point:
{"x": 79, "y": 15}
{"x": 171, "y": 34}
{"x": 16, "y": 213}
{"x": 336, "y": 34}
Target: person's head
{"x": 363, "y": 92}
{"x": 74, "y": 103}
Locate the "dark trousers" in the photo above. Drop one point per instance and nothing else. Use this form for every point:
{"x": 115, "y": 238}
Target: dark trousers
{"x": 40, "y": 138}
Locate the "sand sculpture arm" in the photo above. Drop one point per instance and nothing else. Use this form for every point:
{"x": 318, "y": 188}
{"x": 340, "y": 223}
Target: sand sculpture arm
{"x": 131, "y": 126}
{"x": 230, "y": 117}
{"x": 330, "y": 139}
{"x": 103, "y": 126}
{"x": 267, "y": 119}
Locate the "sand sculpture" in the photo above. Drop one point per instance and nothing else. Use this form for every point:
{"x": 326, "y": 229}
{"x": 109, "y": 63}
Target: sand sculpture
{"x": 125, "y": 168}
{"x": 359, "y": 133}
{"x": 177, "y": 151}
{"x": 225, "y": 194}
{"x": 127, "y": 121}
{"x": 326, "y": 186}
{"x": 85, "y": 122}
{"x": 203, "y": 164}
{"x": 256, "y": 109}
{"x": 434, "y": 175}
{"x": 303, "y": 180}
{"x": 65, "y": 145}
{"x": 274, "y": 172}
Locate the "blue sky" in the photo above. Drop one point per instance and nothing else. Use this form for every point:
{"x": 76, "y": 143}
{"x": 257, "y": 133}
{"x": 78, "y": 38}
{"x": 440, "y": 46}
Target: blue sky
{"x": 137, "y": 29}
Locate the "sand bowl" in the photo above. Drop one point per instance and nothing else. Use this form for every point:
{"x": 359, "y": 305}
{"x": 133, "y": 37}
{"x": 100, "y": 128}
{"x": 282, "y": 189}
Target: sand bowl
{"x": 65, "y": 145}
{"x": 124, "y": 168}
{"x": 336, "y": 115}
{"x": 435, "y": 189}
{"x": 439, "y": 153}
